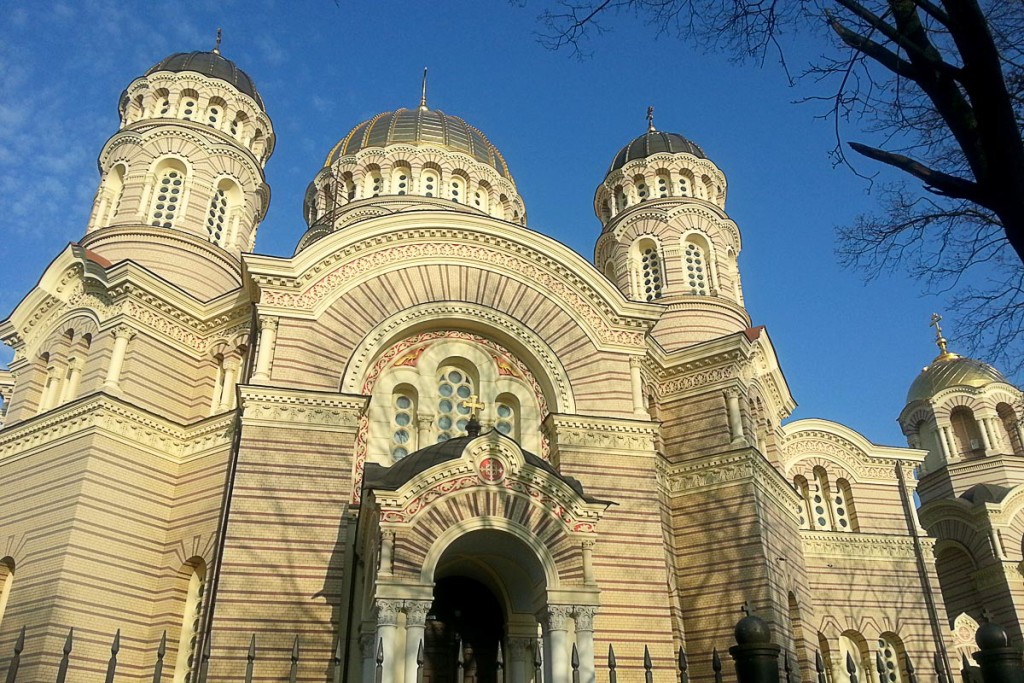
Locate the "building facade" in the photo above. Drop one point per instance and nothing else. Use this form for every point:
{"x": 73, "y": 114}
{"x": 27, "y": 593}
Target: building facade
{"x": 432, "y": 427}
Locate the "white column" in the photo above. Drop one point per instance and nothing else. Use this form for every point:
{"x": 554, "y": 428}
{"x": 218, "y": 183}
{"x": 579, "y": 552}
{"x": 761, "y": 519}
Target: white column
{"x": 1020, "y": 433}
{"x": 51, "y": 389}
{"x": 556, "y": 645}
{"x": 732, "y": 401}
{"x": 368, "y": 649}
{"x": 585, "y": 643}
{"x": 423, "y": 424}
{"x": 122, "y": 335}
{"x": 387, "y": 551}
{"x": 995, "y": 435}
{"x": 636, "y": 380}
{"x": 227, "y": 392}
{"x": 74, "y": 378}
{"x": 387, "y": 627}
{"x": 588, "y": 562}
{"x": 520, "y": 663}
{"x": 948, "y": 444}
{"x": 265, "y": 353}
{"x": 986, "y": 442}
{"x": 415, "y": 621}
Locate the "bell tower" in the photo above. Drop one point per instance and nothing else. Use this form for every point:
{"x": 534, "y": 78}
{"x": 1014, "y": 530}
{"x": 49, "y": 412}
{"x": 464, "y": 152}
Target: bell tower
{"x": 182, "y": 187}
{"x": 667, "y": 239}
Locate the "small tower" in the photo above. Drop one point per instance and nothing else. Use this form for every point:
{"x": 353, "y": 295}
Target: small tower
{"x": 667, "y": 239}
{"x": 182, "y": 188}
{"x": 960, "y": 410}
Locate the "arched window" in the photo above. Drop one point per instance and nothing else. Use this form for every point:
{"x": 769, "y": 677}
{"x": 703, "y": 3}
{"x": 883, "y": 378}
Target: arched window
{"x": 846, "y": 518}
{"x": 695, "y": 263}
{"x": 400, "y": 180}
{"x": 163, "y": 98}
{"x": 650, "y": 278}
{"x": 110, "y": 196}
{"x": 685, "y": 184}
{"x": 891, "y": 648}
{"x": 506, "y": 415}
{"x": 454, "y": 386}
{"x": 609, "y": 271}
{"x": 190, "y": 621}
{"x": 796, "y": 626}
{"x": 221, "y": 219}
{"x": 6, "y": 581}
{"x": 955, "y": 568}
{"x": 852, "y": 644}
{"x": 663, "y": 184}
{"x": 927, "y": 438}
{"x": 237, "y": 127}
{"x": 167, "y": 195}
{"x": 1011, "y": 427}
{"x": 642, "y": 191}
{"x": 349, "y": 186}
{"x": 804, "y": 489}
{"x": 482, "y": 197}
{"x": 215, "y": 111}
{"x": 429, "y": 183}
{"x": 457, "y": 189}
{"x": 374, "y": 184}
{"x": 966, "y": 433}
{"x": 403, "y": 421}
{"x": 188, "y": 104}
{"x": 258, "y": 143}
{"x": 821, "y": 508}
{"x": 620, "y": 199}
{"x": 707, "y": 188}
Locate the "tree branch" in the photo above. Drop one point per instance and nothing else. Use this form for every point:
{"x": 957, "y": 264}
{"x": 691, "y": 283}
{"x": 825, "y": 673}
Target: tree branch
{"x": 936, "y": 181}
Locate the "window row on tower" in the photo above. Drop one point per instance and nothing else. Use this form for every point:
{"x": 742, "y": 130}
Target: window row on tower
{"x": 334, "y": 190}
{"x": 648, "y": 277}
{"x": 165, "y": 194}
{"x": 188, "y": 104}
{"x": 825, "y": 506}
{"x": 658, "y": 184}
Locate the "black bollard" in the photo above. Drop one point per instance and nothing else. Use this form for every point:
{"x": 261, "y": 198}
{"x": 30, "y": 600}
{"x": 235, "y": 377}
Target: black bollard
{"x": 755, "y": 655}
{"x": 999, "y": 662}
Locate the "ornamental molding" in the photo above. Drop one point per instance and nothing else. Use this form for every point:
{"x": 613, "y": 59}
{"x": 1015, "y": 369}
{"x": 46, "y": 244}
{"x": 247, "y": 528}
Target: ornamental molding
{"x": 724, "y": 469}
{"x": 107, "y": 416}
{"x": 275, "y": 406}
{"x": 147, "y": 131}
{"x": 357, "y": 374}
{"x": 861, "y": 465}
{"x": 580, "y": 431}
{"x": 310, "y": 292}
{"x": 124, "y": 294}
{"x": 718, "y": 230}
{"x": 997, "y": 575}
{"x": 861, "y": 546}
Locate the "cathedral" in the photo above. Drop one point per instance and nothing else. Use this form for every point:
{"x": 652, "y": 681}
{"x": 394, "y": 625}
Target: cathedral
{"x": 434, "y": 444}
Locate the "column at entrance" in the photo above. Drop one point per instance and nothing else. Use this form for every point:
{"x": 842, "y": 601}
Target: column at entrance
{"x": 368, "y": 649}
{"x": 520, "y": 659}
{"x": 415, "y": 621}
{"x": 387, "y": 627}
{"x": 585, "y": 642}
{"x": 556, "y": 643}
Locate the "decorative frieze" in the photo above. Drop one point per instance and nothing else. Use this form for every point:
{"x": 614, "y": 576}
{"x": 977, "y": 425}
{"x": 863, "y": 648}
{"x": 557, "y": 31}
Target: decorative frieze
{"x": 271, "y": 406}
{"x": 837, "y": 544}
{"x": 111, "y": 417}
{"x": 599, "y": 434}
{"x": 862, "y": 465}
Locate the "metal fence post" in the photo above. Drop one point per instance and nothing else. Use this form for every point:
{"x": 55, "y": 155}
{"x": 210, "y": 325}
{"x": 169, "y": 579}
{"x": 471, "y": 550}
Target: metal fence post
{"x": 755, "y": 655}
{"x": 12, "y": 668}
{"x": 684, "y": 666}
{"x": 115, "y": 647}
{"x": 161, "y": 652}
{"x": 999, "y": 662}
{"x": 62, "y": 669}
{"x": 250, "y": 659}
{"x": 613, "y": 675}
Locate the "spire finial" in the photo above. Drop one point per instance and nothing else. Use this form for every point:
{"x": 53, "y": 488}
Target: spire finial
{"x": 216, "y": 46}
{"x": 423, "y": 92}
{"x": 650, "y": 120}
{"x": 940, "y": 341}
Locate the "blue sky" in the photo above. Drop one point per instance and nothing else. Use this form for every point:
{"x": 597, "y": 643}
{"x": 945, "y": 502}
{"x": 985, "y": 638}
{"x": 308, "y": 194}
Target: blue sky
{"x": 848, "y": 350}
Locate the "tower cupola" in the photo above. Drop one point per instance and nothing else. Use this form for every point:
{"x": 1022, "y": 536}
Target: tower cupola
{"x": 666, "y": 237}
{"x": 410, "y": 159}
{"x": 183, "y": 189}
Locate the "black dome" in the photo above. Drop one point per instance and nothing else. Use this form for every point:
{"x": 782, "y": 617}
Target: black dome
{"x": 211, "y": 65}
{"x": 653, "y": 142}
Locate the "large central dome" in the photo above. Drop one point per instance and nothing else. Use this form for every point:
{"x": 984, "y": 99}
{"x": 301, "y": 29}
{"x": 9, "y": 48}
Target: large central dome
{"x": 422, "y": 126}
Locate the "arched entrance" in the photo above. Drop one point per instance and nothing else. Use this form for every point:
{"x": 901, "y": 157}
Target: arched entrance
{"x": 464, "y": 614}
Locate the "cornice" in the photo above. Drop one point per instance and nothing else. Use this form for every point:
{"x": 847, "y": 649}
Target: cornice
{"x": 604, "y": 434}
{"x": 997, "y": 575}
{"x": 311, "y": 410}
{"x": 108, "y": 416}
{"x": 857, "y": 458}
{"x": 838, "y": 544}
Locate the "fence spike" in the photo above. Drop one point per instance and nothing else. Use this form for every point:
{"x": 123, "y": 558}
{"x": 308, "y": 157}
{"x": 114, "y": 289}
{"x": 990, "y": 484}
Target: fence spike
{"x": 716, "y": 665}
{"x": 19, "y": 645}
{"x": 613, "y": 675}
{"x": 537, "y": 660}
{"x": 787, "y": 666}
{"x": 62, "y": 669}
{"x": 379, "y": 671}
{"x": 419, "y": 654}
{"x": 336, "y": 661}
{"x": 851, "y": 668}
{"x": 819, "y": 666}
{"x": 940, "y": 669}
{"x": 684, "y": 676}
{"x": 250, "y": 659}
{"x": 460, "y": 671}
{"x": 648, "y": 673}
{"x": 880, "y": 666}
{"x": 161, "y": 651}
{"x": 911, "y": 671}
{"x": 294, "y": 671}
{"x": 500, "y": 659}
{"x": 574, "y": 662}
{"x": 115, "y": 647}
{"x": 419, "y": 663}
{"x": 965, "y": 667}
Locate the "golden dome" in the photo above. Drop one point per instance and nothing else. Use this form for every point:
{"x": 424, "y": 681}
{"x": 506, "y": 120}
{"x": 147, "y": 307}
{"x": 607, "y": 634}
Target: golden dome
{"x": 951, "y": 370}
{"x": 421, "y": 127}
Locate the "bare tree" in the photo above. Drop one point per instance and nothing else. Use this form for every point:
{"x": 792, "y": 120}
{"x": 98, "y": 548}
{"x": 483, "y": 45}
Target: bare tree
{"x": 938, "y": 85}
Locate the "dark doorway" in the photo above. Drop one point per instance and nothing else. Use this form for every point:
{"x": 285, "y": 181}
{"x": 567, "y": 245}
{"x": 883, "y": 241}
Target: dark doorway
{"x": 463, "y": 609}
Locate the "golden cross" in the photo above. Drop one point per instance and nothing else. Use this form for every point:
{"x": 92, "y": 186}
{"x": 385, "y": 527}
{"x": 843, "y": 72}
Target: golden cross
{"x": 650, "y": 119}
{"x": 423, "y": 92}
{"x": 473, "y": 405}
{"x": 216, "y": 47}
{"x": 936, "y": 318}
